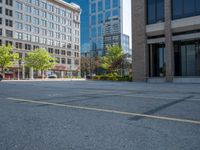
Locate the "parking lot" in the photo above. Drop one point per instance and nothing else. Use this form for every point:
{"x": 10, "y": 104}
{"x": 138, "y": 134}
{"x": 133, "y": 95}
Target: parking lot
{"x": 88, "y": 115}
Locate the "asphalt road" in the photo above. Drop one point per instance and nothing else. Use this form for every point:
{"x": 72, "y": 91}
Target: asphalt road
{"x": 86, "y": 115}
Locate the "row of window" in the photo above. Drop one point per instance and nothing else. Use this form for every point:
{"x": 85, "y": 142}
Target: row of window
{"x": 37, "y": 39}
{"x": 44, "y": 5}
{"x": 48, "y": 6}
{"x": 99, "y": 18}
{"x": 101, "y": 5}
{"x": 37, "y": 21}
{"x": 42, "y": 40}
{"x": 180, "y": 9}
{"x": 8, "y": 2}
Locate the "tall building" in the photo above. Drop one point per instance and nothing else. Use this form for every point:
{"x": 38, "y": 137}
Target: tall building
{"x": 166, "y": 40}
{"x": 50, "y": 24}
{"x": 85, "y": 43}
{"x": 109, "y": 24}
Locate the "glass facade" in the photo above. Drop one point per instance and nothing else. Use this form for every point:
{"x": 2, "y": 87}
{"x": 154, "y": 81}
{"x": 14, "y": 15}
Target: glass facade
{"x": 155, "y": 11}
{"x": 84, "y": 4}
{"x": 157, "y": 60}
{"x": 185, "y": 8}
{"x": 187, "y": 58}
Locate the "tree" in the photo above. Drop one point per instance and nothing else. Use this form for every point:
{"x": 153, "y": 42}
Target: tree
{"x": 89, "y": 65}
{"x": 113, "y": 58}
{"x": 7, "y": 57}
{"x": 40, "y": 59}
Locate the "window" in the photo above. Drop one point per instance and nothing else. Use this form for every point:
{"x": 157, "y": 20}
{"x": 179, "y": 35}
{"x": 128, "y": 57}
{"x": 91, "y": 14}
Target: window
{"x": 9, "y": 2}
{"x": 69, "y": 53}
{"x": 35, "y": 11}
{"x": 8, "y": 43}
{"x": 27, "y": 18}
{"x": 18, "y": 45}
{"x": 44, "y": 14}
{"x": 93, "y": 20}
{"x": 107, "y": 4}
{"x": 19, "y": 35}
{"x": 44, "y": 5}
{"x": 9, "y": 23}
{"x": 50, "y": 50}
{"x": 0, "y": 10}
{"x": 0, "y": 20}
{"x": 76, "y": 62}
{"x": 18, "y": 5}
{"x": 69, "y": 61}
{"x": 18, "y": 15}
{"x": 100, "y": 6}
{"x": 27, "y": 47}
{"x": 27, "y": 28}
{"x": 36, "y": 21}
{"x": 8, "y": 12}
{"x": 63, "y": 60}
{"x": 115, "y": 12}
{"x": 107, "y": 15}
{"x": 57, "y": 51}
{"x": 187, "y": 58}
{"x": 115, "y": 3}
{"x": 100, "y": 18}
{"x": 185, "y": 8}
{"x": 1, "y": 32}
{"x": 155, "y": 11}
{"x": 27, "y": 9}
{"x": 63, "y": 52}
{"x": 93, "y": 8}
{"x": 9, "y": 33}
{"x": 35, "y": 47}
{"x": 27, "y": 37}
{"x": 36, "y": 30}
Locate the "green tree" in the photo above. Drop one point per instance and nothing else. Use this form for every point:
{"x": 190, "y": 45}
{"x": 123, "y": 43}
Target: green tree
{"x": 7, "y": 58}
{"x": 113, "y": 58}
{"x": 40, "y": 59}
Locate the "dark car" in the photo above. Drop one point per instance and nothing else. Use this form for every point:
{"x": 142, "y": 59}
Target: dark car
{"x": 1, "y": 77}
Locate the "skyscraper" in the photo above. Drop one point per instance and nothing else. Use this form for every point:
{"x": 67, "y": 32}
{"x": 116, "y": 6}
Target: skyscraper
{"x": 85, "y": 43}
{"x": 109, "y": 24}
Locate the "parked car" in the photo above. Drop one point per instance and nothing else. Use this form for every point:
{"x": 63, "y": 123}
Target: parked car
{"x": 1, "y": 77}
{"x": 52, "y": 76}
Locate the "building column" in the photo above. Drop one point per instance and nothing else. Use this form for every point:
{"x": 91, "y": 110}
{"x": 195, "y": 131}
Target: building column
{"x": 169, "y": 51}
{"x": 140, "y": 61}
{"x": 31, "y": 74}
{"x": 62, "y": 74}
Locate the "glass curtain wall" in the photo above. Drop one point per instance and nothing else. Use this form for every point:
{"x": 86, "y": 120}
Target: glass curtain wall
{"x": 157, "y": 60}
{"x": 185, "y": 8}
{"x": 187, "y": 58}
{"x": 155, "y": 11}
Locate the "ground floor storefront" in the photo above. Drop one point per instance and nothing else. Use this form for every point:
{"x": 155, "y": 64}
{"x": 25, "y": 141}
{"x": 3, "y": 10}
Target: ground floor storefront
{"x": 185, "y": 61}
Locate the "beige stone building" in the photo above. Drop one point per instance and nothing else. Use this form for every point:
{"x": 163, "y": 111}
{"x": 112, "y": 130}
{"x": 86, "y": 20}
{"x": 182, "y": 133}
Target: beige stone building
{"x": 50, "y": 24}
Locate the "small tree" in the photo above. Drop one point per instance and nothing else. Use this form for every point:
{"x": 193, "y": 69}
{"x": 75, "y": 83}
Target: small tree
{"x": 112, "y": 61}
{"x": 7, "y": 58}
{"x": 40, "y": 59}
{"x": 89, "y": 65}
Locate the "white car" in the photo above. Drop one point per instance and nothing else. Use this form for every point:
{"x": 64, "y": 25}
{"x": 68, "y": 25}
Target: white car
{"x": 52, "y": 76}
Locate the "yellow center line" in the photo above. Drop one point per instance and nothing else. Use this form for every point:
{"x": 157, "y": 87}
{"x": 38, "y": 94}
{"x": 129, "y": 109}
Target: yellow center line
{"x": 108, "y": 111}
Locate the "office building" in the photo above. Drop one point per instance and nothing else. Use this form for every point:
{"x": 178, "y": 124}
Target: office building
{"x": 50, "y": 24}
{"x": 166, "y": 40}
{"x": 85, "y": 42}
{"x": 109, "y": 24}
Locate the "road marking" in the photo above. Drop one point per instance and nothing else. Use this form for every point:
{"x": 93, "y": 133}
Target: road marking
{"x": 108, "y": 111}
